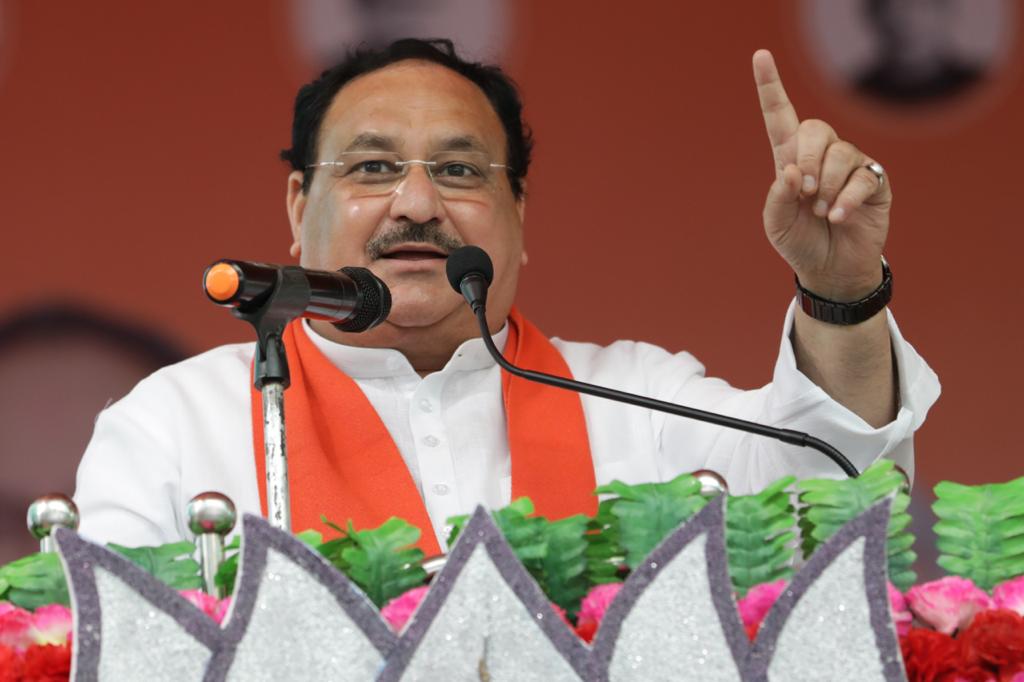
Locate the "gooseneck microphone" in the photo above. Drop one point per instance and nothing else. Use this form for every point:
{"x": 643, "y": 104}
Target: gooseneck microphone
{"x": 352, "y": 299}
{"x": 470, "y": 272}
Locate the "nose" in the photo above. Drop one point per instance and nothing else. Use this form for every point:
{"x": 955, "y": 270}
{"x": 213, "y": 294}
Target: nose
{"x": 416, "y": 198}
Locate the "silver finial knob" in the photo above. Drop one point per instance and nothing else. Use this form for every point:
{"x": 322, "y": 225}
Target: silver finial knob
{"x": 211, "y": 516}
{"x": 711, "y": 482}
{"x": 48, "y": 512}
{"x": 211, "y": 513}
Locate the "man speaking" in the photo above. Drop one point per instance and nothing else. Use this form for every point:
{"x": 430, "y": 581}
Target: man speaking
{"x": 399, "y": 157}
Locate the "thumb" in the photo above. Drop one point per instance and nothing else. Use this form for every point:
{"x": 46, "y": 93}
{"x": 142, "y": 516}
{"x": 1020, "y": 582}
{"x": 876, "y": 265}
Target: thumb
{"x": 783, "y": 203}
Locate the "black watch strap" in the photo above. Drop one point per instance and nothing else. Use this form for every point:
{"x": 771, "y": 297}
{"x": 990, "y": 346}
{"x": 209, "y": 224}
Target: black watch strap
{"x": 855, "y": 312}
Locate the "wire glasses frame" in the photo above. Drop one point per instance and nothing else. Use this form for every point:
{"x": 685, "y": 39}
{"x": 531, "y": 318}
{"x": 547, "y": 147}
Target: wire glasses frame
{"x": 377, "y": 173}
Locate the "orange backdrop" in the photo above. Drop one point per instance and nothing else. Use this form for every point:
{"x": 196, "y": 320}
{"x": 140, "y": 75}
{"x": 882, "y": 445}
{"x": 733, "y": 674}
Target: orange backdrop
{"x": 139, "y": 143}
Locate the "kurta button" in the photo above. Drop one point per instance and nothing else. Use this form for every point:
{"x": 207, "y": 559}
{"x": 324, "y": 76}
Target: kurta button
{"x": 426, "y": 406}
{"x": 440, "y": 489}
{"x": 430, "y": 441}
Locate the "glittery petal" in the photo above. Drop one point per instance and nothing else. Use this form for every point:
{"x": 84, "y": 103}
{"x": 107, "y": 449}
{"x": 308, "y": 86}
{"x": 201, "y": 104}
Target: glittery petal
{"x": 675, "y": 617}
{"x": 295, "y": 617}
{"x": 127, "y": 624}
{"x": 833, "y": 620}
{"x": 485, "y": 618}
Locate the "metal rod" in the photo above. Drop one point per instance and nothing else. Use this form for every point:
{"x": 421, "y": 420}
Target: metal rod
{"x": 211, "y": 554}
{"x": 279, "y": 511}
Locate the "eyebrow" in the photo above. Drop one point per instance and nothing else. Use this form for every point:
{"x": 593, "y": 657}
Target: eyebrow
{"x": 371, "y": 142}
{"x": 377, "y": 142}
{"x": 462, "y": 143}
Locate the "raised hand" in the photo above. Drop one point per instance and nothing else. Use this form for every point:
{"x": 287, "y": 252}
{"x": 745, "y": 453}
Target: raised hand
{"x": 826, "y": 214}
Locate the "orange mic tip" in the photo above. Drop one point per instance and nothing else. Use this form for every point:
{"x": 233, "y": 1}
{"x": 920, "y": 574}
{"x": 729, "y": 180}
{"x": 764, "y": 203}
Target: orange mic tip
{"x": 221, "y": 282}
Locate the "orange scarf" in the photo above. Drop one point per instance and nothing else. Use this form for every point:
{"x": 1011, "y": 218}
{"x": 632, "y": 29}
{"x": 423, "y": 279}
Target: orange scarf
{"x": 343, "y": 463}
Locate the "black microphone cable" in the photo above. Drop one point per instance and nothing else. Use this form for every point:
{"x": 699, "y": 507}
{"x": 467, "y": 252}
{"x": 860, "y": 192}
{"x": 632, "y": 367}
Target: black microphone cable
{"x": 470, "y": 271}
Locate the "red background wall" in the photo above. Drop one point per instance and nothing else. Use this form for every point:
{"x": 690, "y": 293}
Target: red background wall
{"x": 139, "y": 143}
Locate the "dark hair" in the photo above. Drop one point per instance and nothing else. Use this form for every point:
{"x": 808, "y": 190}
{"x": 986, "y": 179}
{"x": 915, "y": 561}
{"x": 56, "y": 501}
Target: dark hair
{"x": 315, "y": 98}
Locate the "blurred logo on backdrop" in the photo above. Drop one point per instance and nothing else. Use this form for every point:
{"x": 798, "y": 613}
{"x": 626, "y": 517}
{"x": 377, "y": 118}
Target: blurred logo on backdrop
{"x": 323, "y": 30}
{"x": 913, "y": 54}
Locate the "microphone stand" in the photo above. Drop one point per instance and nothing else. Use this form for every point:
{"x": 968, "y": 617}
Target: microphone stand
{"x": 785, "y": 435}
{"x": 287, "y": 300}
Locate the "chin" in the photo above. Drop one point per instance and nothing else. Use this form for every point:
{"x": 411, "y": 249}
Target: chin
{"x": 421, "y": 311}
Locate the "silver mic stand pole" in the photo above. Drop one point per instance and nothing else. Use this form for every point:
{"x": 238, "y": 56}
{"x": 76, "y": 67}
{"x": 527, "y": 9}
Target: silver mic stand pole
{"x": 289, "y": 299}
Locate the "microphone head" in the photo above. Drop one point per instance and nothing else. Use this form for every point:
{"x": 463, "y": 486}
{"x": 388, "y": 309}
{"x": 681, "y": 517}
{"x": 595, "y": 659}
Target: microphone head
{"x": 373, "y": 303}
{"x": 466, "y": 261}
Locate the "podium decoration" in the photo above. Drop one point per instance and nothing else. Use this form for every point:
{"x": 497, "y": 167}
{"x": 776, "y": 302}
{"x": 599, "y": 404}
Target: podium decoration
{"x": 671, "y": 581}
{"x": 295, "y": 616}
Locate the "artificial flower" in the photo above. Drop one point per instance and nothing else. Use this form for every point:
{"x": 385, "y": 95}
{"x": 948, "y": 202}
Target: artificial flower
{"x": 15, "y": 627}
{"x": 399, "y": 610}
{"x": 929, "y": 655}
{"x": 47, "y": 663}
{"x": 1010, "y": 595}
{"x": 11, "y": 664}
{"x": 757, "y": 603}
{"x": 208, "y": 604}
{"x": 994, "y": 641}
{"x": 51, "y": 625}
{"x": 948, "y": 604}
{"x": 593, "y": 608}
{"x": 901, "y": 616}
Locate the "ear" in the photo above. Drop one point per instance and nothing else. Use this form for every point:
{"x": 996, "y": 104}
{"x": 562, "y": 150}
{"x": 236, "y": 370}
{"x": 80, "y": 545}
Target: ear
{"x": 296, "y": 205}
{"x": 521, "y": 202}
{"x": 521, "y": 210}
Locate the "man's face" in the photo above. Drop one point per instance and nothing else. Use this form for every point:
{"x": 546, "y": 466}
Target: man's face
{"x": 413, "y": 110}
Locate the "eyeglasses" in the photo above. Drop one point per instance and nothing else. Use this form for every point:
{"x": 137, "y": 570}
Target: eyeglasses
{"x": 454, "y": 174}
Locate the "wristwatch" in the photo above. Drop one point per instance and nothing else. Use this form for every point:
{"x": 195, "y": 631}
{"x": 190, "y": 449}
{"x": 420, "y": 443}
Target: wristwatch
{"x": 855, "y": 312}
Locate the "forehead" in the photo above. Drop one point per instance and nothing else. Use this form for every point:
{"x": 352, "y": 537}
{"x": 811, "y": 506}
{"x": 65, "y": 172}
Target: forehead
{"x": 417, "y": 104}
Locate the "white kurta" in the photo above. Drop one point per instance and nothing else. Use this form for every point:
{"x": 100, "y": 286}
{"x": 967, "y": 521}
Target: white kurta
{"x": 188, "y": 429}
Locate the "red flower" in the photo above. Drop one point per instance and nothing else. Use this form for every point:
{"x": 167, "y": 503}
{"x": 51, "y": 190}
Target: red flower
{"x": 994, "y": 640}
{"x": 929, "y": 655}
{"x": 10, "y": 664}
{"x": 47, "y": 663}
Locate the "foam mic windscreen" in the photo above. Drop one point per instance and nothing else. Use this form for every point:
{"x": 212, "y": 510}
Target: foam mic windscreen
{"x": 466, "y": 261}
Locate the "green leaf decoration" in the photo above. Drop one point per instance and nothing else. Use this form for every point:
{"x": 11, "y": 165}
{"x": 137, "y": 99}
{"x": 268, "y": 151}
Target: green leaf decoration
{"x": 554, "y": 552}
{"x": 760, "y": 536}
{"x": 563, "y": 570}
{"x": 172, "y": 563}
{"x": 228, "y": 569}
{"x": 828, "y": 504}
{"x": 981, "y": 530}
{"x": 384, "y": 561}
{"x": 33, "y": 581}
{"x": 648, "y": 512}
{"x": 605, "y": 554}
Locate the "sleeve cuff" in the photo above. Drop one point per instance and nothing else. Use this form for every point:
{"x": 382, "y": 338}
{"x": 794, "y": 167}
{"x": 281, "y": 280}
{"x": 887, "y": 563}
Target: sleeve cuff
{"x": 797, "y": 403}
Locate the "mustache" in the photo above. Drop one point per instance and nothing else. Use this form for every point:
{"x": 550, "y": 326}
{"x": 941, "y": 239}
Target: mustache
{"x": 406, "y": 231}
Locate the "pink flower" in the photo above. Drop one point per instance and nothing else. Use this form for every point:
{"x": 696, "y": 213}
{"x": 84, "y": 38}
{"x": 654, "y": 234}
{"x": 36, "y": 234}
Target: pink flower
{"x": 901, "y": 616}
{"x": 208, "y": 604}
{"x": 1010, "y": 595}
{"x": 15, "y": 627}
{"x": 593, "y": 608}
{"x": 948, "y": 604}
{"x": 758, "y": 602}
{"x": 51, "y": 625}
{"x": 399, "y": 610}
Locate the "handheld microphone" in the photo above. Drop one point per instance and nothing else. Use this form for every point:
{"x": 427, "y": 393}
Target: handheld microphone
{"x": 352, "y": 299}
{"x": 470, "y": 271}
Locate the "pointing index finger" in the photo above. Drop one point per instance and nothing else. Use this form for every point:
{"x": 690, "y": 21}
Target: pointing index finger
{"x": 780, "y": 119}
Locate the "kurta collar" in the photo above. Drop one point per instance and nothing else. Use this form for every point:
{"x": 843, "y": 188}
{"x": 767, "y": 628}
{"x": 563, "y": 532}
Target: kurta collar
{"x": 371, "y": 363}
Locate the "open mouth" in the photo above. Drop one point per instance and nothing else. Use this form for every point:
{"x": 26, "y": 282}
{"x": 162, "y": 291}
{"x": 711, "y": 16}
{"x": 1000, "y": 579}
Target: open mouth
{"x": 414, "y": 252}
